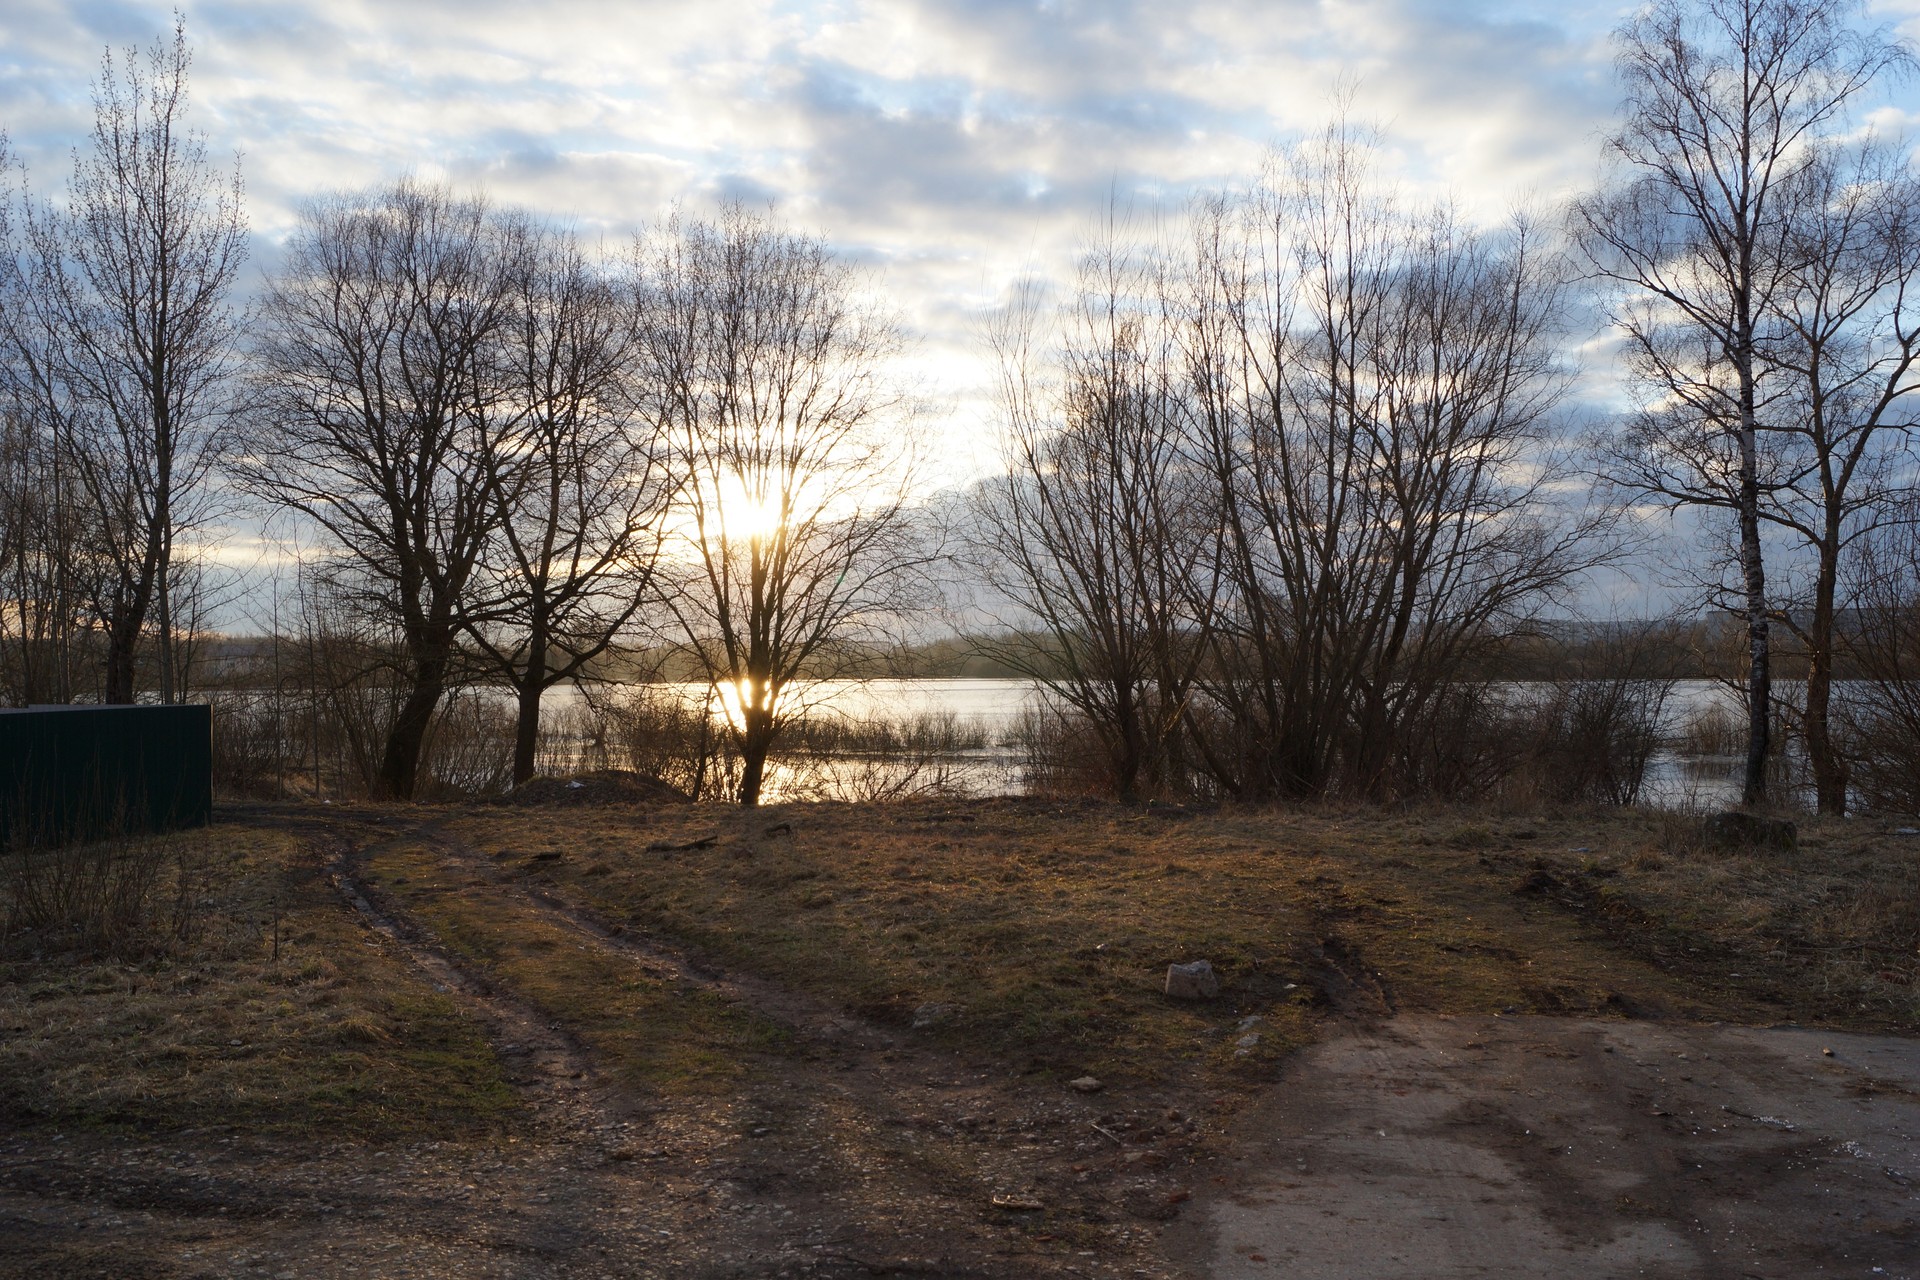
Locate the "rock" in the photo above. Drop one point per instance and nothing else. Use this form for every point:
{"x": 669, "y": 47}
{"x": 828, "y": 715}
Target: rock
{"x": 1194, "y": 981}
{"x": 1736, "y": 830}
{"x": 1251, "y": 1021}
{"x": 1086, "y": 1084}
{"x": 1018, "y": 1204}
{"x": 1249, "y": 1040}
{"x": 932, "y": 1014}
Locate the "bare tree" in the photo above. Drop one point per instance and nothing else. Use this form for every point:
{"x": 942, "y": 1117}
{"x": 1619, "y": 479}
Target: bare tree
{"x": 769, "y": 390}
{"x": 1282, "y": 490}
{"x": 51, "y": 572}
{"x": 1100, "y": 533}
{"x": 380, "y": 411}
{"x": 1726, "y": 100}
{"x": 1375, "y": 394}
{"x": 120, "y": 334}
{"x": 579, "y": 489}
{"x": 1840, "y": 344}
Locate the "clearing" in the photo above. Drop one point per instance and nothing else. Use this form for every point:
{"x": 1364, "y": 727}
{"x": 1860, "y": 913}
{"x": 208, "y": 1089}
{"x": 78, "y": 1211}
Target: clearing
{"x": 836, "y": 1040}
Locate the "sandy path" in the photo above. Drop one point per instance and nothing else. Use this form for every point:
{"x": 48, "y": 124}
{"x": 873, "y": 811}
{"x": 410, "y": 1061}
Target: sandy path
{"x": 1495, "y": 1147}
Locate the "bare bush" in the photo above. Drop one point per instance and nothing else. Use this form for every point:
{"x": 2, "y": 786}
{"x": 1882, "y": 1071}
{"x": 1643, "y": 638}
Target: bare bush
{"x": 657, "y": 733}
{"x": 1060, "y": 753}
{"x": 1590, "y": 741}
{"x": 1880, "y": 712}
{"x": 119, "y": 896}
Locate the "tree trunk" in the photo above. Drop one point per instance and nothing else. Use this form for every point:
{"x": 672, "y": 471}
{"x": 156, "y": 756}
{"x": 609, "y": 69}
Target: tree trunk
{"x": 755, "y": 745}
{"x": 1128, "y": 749}
{"x": 1829, "y": 769}
{"x": 400, "y": 762}
{"x": 123, "y": 649}
{"x": 167, "y": 691}
{"x": 526, "y": 737}
{"x": 1753, "y": 575}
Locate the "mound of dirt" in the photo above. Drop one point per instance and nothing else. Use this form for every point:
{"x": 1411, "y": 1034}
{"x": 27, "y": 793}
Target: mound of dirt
{"x": 606, "y": 787}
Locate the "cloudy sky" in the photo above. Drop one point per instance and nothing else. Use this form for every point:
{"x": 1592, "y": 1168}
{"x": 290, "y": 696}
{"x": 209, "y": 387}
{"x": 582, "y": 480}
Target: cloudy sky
{"x": 953, "y": 146}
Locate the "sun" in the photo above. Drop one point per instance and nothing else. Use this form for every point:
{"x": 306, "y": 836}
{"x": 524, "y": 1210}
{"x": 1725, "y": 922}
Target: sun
{"x": 747, "y": 513}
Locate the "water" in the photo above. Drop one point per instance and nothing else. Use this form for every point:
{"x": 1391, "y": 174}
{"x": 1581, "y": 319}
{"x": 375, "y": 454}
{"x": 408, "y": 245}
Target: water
{"x": 993, "y": 707}
{"x": 1674, "y": 781}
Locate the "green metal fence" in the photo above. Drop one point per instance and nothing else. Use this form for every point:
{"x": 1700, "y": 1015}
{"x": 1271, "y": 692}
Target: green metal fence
{"x": 79, "y": 773}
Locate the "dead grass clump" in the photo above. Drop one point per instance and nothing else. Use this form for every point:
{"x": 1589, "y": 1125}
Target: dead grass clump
{"x": 603, "y": 787}
{"x": 1712, "y": 732}
{"x": 1829, "y": 931}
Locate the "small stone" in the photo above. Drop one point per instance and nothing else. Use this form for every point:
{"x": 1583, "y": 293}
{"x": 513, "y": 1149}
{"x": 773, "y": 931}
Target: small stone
{"x": 1192, "y": 981}
{"x": 1086, "y": 1084}
{"x": 1249, "y": 1040}
{"x": 1251, "y": 1021}
{"x": 932, "y": 1014}
{"x": 1018, "y": 1204}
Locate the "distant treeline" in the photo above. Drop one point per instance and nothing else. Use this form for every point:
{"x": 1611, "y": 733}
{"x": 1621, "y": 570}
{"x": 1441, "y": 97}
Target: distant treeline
{"x": 1700, "y": 648}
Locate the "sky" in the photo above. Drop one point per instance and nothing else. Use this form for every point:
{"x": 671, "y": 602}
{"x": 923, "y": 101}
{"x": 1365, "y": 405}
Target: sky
{"x": 952, "y": 148}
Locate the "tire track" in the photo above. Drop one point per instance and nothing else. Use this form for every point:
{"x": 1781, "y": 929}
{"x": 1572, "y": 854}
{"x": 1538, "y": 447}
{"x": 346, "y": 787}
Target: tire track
{"x": 544, "y": 1059}
{"x": 818, "y": 1161}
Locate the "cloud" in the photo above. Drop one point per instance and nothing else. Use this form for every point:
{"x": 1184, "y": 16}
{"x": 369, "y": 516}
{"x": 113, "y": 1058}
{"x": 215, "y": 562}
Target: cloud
{"x": 950, "y": 144}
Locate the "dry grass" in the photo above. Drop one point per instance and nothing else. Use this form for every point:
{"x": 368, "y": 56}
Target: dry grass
{"x": 653, "y": 1034}
{"x": 1045, "y": 928}
{"x": 335, "y": 1035}
{"x": 1048, "y": 929}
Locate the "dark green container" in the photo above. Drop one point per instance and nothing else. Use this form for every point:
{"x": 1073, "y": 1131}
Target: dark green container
{"x": 84, "y": 773}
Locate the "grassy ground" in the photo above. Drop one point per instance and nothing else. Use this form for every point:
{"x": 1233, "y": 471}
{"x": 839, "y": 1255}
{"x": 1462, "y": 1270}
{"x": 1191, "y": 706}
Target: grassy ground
{"x": 660, "y": 1038}
{"x": 334, "y": 1034}
{"x": 1039, "y": 934}
{"x": 1047, "y": 930}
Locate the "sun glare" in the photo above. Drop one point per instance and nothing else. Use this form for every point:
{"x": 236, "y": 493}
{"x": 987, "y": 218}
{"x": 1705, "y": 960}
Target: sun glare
{"x": 738, "y": 696}
{"x": 745, "y": 515}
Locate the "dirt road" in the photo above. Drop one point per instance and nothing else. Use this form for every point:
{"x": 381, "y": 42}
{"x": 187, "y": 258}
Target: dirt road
{"x": 1495, "y": 1147}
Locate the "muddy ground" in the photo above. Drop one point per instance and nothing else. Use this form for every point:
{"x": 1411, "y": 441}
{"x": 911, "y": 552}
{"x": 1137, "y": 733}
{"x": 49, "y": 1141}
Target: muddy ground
{"x": 1434, "y": 1148}
{"x": 1403, "y": 1144}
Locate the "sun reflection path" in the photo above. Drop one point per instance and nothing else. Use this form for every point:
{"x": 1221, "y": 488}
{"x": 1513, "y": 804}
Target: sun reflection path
{"x": 738, "y": 697}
